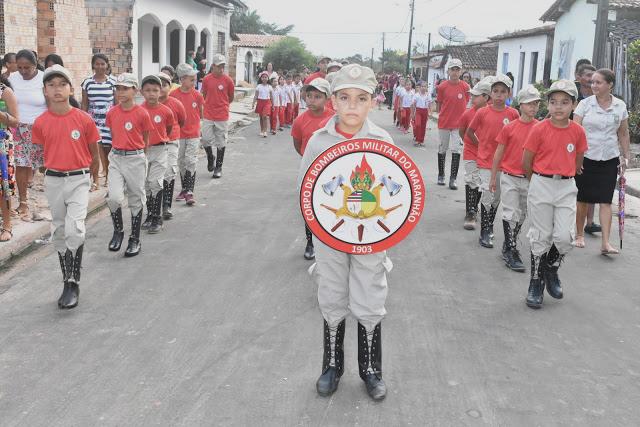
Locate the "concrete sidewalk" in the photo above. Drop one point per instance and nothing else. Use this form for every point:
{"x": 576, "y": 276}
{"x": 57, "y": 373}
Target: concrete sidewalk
{"x": 633, "y": 182}
{"x": 28, "y": 234}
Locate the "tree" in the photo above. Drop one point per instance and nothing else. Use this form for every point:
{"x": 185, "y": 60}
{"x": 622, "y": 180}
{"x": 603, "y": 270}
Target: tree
{"x": 289, "y": 54}
{"x": 249, "y": 22}
{"x": 394, "y": 60}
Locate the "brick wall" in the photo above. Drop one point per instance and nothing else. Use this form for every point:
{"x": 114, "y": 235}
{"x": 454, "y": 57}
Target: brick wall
{"x": 19, "y": 25}
{"x": 2, "y": 51}
{"x": 110, "y": 23}
{"x": 63, "y": 29}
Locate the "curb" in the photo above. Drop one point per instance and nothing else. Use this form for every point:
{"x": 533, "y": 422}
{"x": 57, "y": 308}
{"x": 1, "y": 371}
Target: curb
{"x": 631, "y": 190}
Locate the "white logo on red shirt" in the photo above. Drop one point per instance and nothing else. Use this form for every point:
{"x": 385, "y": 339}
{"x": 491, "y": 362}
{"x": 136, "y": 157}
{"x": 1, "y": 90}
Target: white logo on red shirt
{"x": 459, "y": 96}
{"x": 75, "y": 134}
{"x": 505, "y": 121}
{"x": 194, "y": 105}
{"x": 570, "y": 148}
{"x": 220, "y": 87}
{"x": 128, "y": 126}
{"x": 157, "y": 119}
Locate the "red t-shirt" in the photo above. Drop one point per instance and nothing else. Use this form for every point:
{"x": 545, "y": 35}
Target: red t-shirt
{"x": 127, "y": 127}
{"x": 179, "y": 114}
{"x": 192, "y": 102}
{"x": 66, "y": 139}
{"x": 346, "y": 135}
{"x": 162, "y": 117}
{"x": 513, "y": 137}
{"x": 306, "y": 124}
{"x": 470, "y": 149}
{"x": 555, "y": 148}
{"x": 310, "y": 77}
{"x": 218, "y": 94}
{"x": 452, "y": 103}
{"x": 487, "y": 124}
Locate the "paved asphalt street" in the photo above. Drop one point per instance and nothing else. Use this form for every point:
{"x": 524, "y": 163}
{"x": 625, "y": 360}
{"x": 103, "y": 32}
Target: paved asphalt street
{"x": 216, "y": 322}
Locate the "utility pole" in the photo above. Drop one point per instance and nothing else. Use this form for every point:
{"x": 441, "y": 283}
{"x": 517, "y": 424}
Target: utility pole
{"x": 372, "y": 58}
{"x": 428, "y": 59}
{"x": 413, "y": 3}
{"x": 602, "y": 30}
{"x": 382, "y": 52}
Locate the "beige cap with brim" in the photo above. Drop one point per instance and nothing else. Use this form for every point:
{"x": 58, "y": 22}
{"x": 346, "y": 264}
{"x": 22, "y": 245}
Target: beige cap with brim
{"x": 57, "y": 70}
{"x": 528, "y": 94}
{"x": 127, "y": 80}
{"x": 354, "y": 76}
{"x": 319, "y": 84}
{"x": 566, "y": 86}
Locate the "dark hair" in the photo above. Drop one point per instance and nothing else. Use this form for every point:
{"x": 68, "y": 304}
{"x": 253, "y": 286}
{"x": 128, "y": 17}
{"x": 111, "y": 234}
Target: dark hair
{"x": 151, "y": 82}
{"x": 56, "y": 59}
{"x": 5, "y": 82}
{"x": 74, "y": 102}
{"x": 28, "y": 55}
{"x": 608, "y": 75}
{"x": 97, "y": 56}
{"x": 583, "y": 61}
{"x": 170, "y": 69}
{"x": 584, "y": 67}
{"x": 8, "y": 56}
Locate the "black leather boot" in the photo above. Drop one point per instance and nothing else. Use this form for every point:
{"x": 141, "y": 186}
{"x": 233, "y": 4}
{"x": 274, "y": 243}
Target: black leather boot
{"x": 134, "y": 246}
{"x": 167, "y": 199}
{"x": 549, "y": 271}
{"x": 65, "y": 279}
{"x": 492, "y": 218}
{"x": 441, "y": 160}
{"x": 332, "y": 360}
{"x": 118, "y": 230}
{"x": 309, "y": 251}
{"x": 470, "y": 203}
{"x": 455, "y": 165}
{"x": 156, "y": 219}
{"x": 210, "y": 158}
{"x": 510, "y": 253}
{"x": 486, "y": 241}
{"x": 73, "y": 265}
{"x": 370, "y": 361}
{"x": 217, "y": 171}
{"x": 536, "y": 285}
{"x": 147, "y": 220}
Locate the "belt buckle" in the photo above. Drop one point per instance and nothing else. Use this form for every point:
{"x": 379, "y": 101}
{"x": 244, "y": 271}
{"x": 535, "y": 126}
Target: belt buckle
{"x": 556, "y": 176}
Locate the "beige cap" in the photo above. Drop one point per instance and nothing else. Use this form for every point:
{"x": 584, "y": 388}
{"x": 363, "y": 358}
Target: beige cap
{"x": 354, "y": 76}
{"x": 185, "y": 70}
{"x": 528, "y": 94}
{"x": 320, "y": 84}
{"x": 483, "y": 87}
{"x": 127, "y": 80}
{"x": 57, "y": 70}
{"x": 334, "y": 64}
{"x": 151, "y": 78}
{"x": 165, "y": 77}
{"x": 566, "y": 86}
{"x": 218, "y": 59}
{"x": 331, "y": 76}
{"x": 501, "y": 78}
{"x": 322, "y": 58}
{"x": 454, "y": 62}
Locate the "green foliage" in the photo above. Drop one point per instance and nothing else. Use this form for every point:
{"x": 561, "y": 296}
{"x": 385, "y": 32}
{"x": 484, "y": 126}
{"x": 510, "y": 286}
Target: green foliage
{"x": 289, "y": 54}
{"x": 394, "y": 60}
{"x": 543, "y": 111}
{"x": 633, "y": 65}
{"x": 249, "y": 22}
{"x": 634, "y": 125}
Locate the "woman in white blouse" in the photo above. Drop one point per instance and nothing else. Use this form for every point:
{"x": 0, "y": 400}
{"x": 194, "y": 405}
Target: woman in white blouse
{"x": 605, "y": 121}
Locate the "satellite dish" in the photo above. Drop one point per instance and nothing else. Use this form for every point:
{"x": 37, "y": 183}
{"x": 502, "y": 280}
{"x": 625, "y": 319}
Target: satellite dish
{"x": 451, "y": 34}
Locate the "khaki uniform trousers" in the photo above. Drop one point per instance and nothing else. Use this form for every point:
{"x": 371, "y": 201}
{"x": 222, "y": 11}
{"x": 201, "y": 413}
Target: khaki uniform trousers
{"x": 449, "y": 136}
{"x": 513, "y": 192}
{"x": 489, "y": 199}
{"x": 215, "y": 133}
{"x": 172, "y": 161}
{"x": 552, "y": 213}
{"x": 68, "y": 199}
{"x": 188, "y": 155}
{"x": 156, "y": 168}
{"x": 471, "y": 174}
{"x": 351, "y": 283}
{"x": 127, "y": 173}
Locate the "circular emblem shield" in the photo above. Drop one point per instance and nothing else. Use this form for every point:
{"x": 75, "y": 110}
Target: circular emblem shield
{"x": 194, "y": 105}
{"x": 505, "y": 121}
{"x": 128, "y": 126}
{"x": 75, "y": 134}
{"x": 157, "y": 118}
{"x": 355, "y": 72}
{"x": 362, "y": 196}
{"x": 570, "y": 148}
{"x": 459, "y": 96}
{"x": 220, "y": 87}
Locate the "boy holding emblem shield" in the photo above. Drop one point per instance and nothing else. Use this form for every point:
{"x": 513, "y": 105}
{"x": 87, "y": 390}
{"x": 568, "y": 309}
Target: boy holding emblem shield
{"x": 347, "y": 282}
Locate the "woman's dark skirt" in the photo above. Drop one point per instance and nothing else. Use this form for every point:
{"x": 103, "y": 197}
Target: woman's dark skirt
{"x": 598, "y": 181}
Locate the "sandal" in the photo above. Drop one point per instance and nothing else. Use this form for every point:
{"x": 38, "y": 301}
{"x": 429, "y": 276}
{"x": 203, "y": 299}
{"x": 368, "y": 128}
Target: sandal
{"x": 579, "y": 243}
{"x": 24, "y": 215}
{"x": 3, "y": 233}
{"x": 610, "y": 251}
{"x": 94, "y": 187}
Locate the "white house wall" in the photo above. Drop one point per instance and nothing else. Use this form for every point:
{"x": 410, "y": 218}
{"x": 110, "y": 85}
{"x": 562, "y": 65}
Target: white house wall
{"x": 575, "y": 29}
{"x": 527, "y": 45}
{"x": 258, "y": 56}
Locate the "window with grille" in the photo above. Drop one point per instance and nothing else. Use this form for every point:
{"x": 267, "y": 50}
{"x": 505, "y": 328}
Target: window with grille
{"x": 155, "y": 45}
{"x": 221, "y": 42}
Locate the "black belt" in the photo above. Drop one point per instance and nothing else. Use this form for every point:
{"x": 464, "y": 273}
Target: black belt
{"x": 126, "y": 152}
{"x": 161, "y": 143}
{"x": 59, "y": 174}
{"x": 553, "y": 176}
{"x": 513, "y": 174}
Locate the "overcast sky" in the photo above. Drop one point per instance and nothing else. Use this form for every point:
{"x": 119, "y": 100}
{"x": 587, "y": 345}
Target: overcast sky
{"x": 340, "y": 28}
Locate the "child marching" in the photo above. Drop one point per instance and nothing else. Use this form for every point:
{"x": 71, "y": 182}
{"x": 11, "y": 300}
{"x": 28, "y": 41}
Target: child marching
{"x": 276, "y": 103}
{"x": 421, "y": 110}
{"x": 262, "y": 103}
{"x": 70, "y": 140}
{"x": 406, "y": 104}
{"x": 479, "y": 98}
{"x": 553, "y": 155}
{"x": 483, "y": 130}
{"x": 514, "y": 185}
